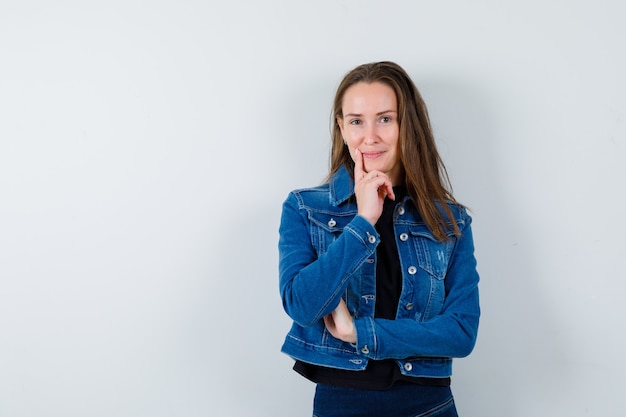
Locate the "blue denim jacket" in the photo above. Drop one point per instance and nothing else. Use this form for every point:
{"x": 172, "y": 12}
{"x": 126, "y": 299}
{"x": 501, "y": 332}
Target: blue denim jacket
{"x": 327, "y": 251}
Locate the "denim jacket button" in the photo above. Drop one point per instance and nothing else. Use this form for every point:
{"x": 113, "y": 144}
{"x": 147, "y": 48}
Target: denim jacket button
{"x": 401, "y": 210}
{"x": 332, "y": 223}
{"x": 365, "y": 350}
{"x": 412, "y": 270}
{"x": 404, "y": 237}
{"x": 408, "y": 366}
{"x": 371, "y": 238}
{"x": 409, "y": 306}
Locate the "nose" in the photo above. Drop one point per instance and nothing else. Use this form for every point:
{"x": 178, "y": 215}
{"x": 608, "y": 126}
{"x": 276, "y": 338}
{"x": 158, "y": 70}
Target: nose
{"x": 371, "y": 135}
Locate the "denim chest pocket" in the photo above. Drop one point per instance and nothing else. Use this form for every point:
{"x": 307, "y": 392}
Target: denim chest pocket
{"x": 326, "y": 227}
{"x": 433, "y": 256}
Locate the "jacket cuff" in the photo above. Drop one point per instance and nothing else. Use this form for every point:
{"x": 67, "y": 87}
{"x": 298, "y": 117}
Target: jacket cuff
{"x": 364, "y": 231}
{"x": 365, "y": 337}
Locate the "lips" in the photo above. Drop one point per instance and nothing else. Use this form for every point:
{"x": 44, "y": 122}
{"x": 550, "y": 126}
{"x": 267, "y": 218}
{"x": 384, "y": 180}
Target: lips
{"x": 371, "y": 155}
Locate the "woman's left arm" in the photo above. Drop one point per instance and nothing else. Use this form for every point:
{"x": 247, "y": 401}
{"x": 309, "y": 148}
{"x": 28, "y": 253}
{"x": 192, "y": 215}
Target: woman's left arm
{"x": 452, "y": 333}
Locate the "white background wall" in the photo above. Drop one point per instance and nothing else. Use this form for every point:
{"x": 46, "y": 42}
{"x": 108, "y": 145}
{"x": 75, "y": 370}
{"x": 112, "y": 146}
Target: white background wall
{"x": 146, "y": 148}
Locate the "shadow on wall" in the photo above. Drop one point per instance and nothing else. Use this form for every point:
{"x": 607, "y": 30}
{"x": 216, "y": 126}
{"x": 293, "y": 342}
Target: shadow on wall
{"x": 517, "y": 351}
{"x": 250, "y": 374}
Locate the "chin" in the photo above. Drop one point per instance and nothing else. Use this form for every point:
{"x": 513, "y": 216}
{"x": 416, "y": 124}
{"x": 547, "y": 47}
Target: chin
{"x": 377, "y": 167}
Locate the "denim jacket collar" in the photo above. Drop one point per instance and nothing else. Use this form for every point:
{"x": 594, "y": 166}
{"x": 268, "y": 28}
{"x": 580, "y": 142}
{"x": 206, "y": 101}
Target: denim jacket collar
{"x": 341, "y": 186}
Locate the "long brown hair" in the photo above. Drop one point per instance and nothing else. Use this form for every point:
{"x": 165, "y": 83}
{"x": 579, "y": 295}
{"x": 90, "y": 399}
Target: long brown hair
{"x": 426, "y": 178}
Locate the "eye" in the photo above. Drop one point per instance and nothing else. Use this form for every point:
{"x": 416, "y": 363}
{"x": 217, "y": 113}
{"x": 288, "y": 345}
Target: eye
{"x": 385, "y": 119}
{"x": 355, "y": 122}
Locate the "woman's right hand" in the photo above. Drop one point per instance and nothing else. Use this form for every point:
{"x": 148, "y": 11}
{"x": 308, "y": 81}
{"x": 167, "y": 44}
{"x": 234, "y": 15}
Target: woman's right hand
{"x": 340, "y": 323}
{"x": 370, "y": 189}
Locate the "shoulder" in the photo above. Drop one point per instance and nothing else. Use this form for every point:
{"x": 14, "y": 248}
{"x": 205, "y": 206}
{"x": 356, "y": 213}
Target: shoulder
{"x": 303, "y": 197}
{"x": 460, "y": 218}
{"x": 459, "y": 213}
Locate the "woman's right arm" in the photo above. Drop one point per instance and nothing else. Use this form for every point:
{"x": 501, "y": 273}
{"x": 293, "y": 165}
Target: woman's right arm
{"x": 311, "y": 285}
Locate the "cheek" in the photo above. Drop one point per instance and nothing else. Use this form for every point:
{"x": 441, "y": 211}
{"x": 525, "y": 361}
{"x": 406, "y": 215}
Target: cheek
{"x": 395, "y": 140}
{"x": 394, "y": 134}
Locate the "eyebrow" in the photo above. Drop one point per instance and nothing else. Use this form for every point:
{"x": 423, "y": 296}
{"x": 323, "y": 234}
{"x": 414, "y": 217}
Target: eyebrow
{"x": 377, "y": 114}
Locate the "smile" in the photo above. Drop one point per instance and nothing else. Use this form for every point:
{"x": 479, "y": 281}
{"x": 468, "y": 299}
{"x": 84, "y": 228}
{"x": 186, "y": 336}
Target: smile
{"x": 372, "y": 155}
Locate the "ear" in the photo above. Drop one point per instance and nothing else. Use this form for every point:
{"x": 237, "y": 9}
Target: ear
{"x": 339, "y": 121}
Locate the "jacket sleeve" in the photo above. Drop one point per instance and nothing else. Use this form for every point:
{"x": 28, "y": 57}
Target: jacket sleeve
{"x": 452, "y": 333}
{"x": 311, "y": 285}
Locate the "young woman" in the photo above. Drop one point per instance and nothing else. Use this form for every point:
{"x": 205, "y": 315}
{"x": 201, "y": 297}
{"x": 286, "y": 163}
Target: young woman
{"x": 377, "y": 266}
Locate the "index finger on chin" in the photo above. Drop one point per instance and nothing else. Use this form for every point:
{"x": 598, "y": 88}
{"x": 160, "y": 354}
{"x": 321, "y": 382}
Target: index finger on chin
{"x": 359, "y": 170}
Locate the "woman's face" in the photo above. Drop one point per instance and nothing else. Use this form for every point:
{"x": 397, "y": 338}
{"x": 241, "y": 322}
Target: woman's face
{"x": 370, "y": 124}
